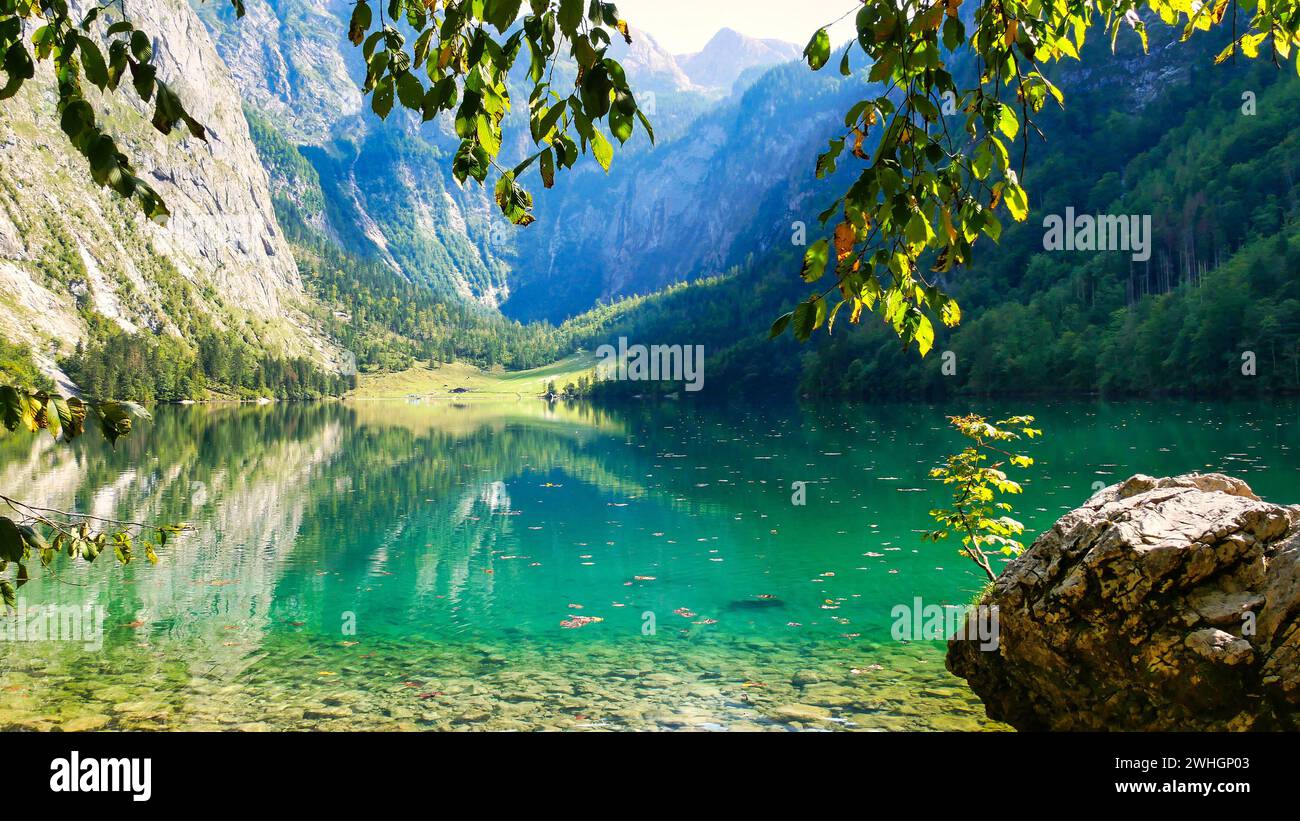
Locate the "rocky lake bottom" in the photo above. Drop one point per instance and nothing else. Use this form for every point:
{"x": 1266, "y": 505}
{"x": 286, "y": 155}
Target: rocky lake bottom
{"x": 718, "y": 684}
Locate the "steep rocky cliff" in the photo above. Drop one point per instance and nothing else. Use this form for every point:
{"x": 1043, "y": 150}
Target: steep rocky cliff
{"x": 386, "y": 186}
{"x": 67, "y": 246}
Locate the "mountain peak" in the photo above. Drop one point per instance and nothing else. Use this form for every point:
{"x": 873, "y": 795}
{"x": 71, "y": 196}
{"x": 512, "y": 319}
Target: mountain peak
{"x": 730, "y": 53}
{"x": 724, "y": 36}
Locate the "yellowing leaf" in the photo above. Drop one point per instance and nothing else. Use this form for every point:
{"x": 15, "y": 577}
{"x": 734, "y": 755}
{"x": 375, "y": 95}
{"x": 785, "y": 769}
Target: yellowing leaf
{"x": 845, "y": 239}
{"x": 1017, "y": 202}
{"x": 947, "y": 226}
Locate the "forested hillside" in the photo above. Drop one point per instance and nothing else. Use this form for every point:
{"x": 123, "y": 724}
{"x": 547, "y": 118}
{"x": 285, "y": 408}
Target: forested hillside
{"x": 1169, "y": 135}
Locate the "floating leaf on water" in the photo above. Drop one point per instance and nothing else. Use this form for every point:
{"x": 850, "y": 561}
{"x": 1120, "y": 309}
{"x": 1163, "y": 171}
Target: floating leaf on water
{"x": 579, "y": 621}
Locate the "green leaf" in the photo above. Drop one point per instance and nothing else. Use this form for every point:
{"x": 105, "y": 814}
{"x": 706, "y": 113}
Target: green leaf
{"x": 360, "y": 22}
{"x": 12, "y": 544}
{"x": 74, "y": 422}
{"x": 114, "y": 419}
{"x": 645, "y": 123}
{"x": 381, "y": 102}
{"x": 546, "y": 124}
{"x": 570, "y": 17}
{"x": 805, "y": 317}
{"x": 603, "y": 151}
{"x": 141, "y": 47}
{"x": 826, "y": 162}
{"x": 547, "y": 168}
{"x": 92, "y": 62}
{"x": 1008, "y": 122}
{"x": 992, "y": 226}
{"x": 855, "y": 113}
{"x": 882, "y": 68}
{"x": 502, "y": 13}
{"x": 924, "y": 335}
{"x": 35, "y": 540}
{"x": 779, "y": 326}
{"x": 1017, "y": 202}
{"x": 11, "y": 407}
{"x": 56, "y": 412}
{"x": 143, "y": 77}
{"x": 954, "y": 33}
{"x": 620, "y": 120}
{"x": 814, "y": 261}
{"x": 818, "y": 50}
{"x": 470, "y": 161}
{"x": 514, "y": 202}
{"x": 488, "y": 136}
{"x": 410, "y": 91}
{"x": 18, "y": 65}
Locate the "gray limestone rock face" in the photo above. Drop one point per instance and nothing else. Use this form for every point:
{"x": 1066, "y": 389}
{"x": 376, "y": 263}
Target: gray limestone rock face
{"x": 1160, "y": 604}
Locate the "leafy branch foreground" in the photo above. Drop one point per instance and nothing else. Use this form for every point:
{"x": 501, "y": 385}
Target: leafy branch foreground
{"x": 975, "y": 515}
{"x": 24, "y": 538}
{"x": 950, "y": 117}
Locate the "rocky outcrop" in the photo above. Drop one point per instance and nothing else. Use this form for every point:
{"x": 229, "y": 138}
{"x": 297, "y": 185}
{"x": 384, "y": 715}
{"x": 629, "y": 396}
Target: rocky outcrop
{"x": 292, "y": 61}
{"x": 1160, "y": 604}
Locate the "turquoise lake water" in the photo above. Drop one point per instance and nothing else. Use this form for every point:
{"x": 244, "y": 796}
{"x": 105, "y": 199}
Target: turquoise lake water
{"x": 389, "y": 565}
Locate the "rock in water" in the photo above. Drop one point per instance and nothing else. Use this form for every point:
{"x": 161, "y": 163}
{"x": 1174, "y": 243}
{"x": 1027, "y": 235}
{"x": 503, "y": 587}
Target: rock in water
{"x": 755, "y": 604}
{"x": 1160, "y": 604}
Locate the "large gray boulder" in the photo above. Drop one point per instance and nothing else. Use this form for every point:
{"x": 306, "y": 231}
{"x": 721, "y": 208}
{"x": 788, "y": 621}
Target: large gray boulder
{"x": 1160, "y": 604}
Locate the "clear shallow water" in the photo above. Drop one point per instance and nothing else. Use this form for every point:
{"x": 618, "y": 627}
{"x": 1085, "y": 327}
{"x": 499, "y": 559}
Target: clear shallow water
{"x": 394, "y": 566}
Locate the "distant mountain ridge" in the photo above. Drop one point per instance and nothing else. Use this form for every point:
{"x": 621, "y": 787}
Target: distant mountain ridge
{"x": 729, "y": 54}
{"x": 386, "y": 191}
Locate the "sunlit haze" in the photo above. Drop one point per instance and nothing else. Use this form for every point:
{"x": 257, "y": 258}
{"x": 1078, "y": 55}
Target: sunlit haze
{"x": 683, "y": 26}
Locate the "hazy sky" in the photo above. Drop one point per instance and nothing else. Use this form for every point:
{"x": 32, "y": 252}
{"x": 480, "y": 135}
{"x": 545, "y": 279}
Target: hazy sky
{"x": 683, "y": 26}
